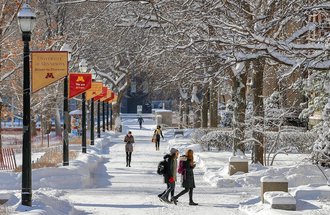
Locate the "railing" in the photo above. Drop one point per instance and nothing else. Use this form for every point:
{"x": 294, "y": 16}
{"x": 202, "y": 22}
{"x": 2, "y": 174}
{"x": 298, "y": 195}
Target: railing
{"x": 7, "y": 159}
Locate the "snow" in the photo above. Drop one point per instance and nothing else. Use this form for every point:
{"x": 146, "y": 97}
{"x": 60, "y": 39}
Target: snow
{"x": 99, "y": 182}
{"x": 279, "y": 197}
{"x": 273, "y": 179}
{"x": 238, "y": 159}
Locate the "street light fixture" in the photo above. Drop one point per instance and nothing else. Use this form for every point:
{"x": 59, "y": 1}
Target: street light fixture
{"x": 83, "y": 69}
{"x": 26, "y": 21}
{"x": 68, "y": 49}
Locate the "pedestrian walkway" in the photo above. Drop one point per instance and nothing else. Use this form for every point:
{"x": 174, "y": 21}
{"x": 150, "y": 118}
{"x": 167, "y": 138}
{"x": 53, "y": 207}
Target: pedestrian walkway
{"x": 118, "y": 189}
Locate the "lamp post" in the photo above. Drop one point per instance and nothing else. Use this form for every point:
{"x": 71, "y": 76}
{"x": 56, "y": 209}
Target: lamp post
{"x": 103, "y": 111}
{"x": 98, "y": 119}
{"x": 68, "y": 49}
{"x": 108, "y": 115}
{"x": 83, "y": 69}
{"x": 0, "y": 124}
{"x": 92, "y": 111}
{"x": 26, "y": 21}
{"x": 103, "y": 114}
{"x": 111, "y": 117}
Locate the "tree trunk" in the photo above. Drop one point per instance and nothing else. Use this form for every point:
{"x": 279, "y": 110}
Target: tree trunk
{"x": 186, "y": 112}
{"x": 258, "y": 110}
{"x": 197, "y": 115}
{"x": 205, "y": 106}
{"x": 58, "y": 128}
{"x": 181, "y": 114}
{"x": 239, "y": 98}
{"x": 33, "y": 128}
{"x": 213, "y": 106}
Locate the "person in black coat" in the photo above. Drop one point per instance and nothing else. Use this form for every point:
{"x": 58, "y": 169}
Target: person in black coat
{"x": 188, "y": 180}
{"x": 140, "y": 120}
{"x": 170, "y": 174}
{"x": 157, "y": 134}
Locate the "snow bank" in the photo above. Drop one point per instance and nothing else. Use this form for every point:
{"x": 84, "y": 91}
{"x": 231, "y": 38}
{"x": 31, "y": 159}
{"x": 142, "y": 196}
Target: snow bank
{"x": 279, "y": 198}
{"x": 47, "y": 202}
{"x": 313, "y": 191}
{"x": 75, "y": 176}
{"x": 183, "y": 144}
{"x": 9, "y": 181}
{"x": 273, "y": 179}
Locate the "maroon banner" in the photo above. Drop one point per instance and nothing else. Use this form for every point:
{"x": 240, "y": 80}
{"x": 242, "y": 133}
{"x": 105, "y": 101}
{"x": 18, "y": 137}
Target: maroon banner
{"x": 104, "y": 93}
{"x": 79, "y": 83}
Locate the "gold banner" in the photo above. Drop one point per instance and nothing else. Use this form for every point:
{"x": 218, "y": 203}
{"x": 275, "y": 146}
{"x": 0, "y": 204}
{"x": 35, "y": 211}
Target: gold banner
{"x": 94, "y": 91}
{"x": 47, "y": 67}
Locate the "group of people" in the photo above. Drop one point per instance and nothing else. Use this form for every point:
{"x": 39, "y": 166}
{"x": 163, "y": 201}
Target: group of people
{"x": 129, "y": 140}
{"x": 171, "y": 174}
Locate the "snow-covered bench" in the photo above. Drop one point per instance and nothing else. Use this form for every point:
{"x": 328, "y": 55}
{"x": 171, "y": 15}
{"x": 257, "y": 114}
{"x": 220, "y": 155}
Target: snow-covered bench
{"x": 238, "y": 164}
{"x": 178, "y": 132}
{"x": 280, "y": 200}
{"x": 273, "y": 183}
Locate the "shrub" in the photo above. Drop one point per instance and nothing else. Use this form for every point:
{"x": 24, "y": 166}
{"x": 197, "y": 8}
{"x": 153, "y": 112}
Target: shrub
{"x": 210, "y": 138}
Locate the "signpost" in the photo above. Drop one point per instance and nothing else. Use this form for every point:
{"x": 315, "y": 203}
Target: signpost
{"x": 47, "y": 67}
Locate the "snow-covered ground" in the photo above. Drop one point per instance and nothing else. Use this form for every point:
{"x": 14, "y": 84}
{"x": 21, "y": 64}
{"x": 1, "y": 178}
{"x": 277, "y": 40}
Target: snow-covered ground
{"x": 99, "y": 182}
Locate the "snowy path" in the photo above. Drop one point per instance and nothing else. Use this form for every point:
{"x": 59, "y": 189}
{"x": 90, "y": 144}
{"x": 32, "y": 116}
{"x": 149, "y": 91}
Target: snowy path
{"x": 123, "y": 190}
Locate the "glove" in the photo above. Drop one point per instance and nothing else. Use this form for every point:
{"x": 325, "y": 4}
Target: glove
{"x": 171, "y": 180}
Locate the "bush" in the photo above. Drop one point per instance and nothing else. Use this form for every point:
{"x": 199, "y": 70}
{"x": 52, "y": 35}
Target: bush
{"x": 51, "y": 158}
{"x": 210, "y": 138}
{"x": 302, "y": 142}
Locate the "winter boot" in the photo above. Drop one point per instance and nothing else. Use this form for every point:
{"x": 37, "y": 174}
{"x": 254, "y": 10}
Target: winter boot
{"x": 191, "y": 202}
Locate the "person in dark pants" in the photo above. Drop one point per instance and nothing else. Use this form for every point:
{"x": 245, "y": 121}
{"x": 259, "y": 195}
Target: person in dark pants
{"x": 158, "y": 133}
{"x": 129, "y": 140}
{"x": 188, "y": 181}
{"x": 170, "y": 175}
{"x": 140, "y": 120}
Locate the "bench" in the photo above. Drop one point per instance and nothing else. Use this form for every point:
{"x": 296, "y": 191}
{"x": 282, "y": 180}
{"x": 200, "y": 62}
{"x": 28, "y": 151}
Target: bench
{"x": 238, "y": 164}
{"x": 273, "y": 183}
{"x": 280, "y": 200}
{"x": 178, "y": 132}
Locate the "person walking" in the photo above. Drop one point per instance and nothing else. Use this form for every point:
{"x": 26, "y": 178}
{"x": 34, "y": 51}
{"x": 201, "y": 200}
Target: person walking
{"x": 129, "y": 140}
{"x": 188, "y": 181}
{"x": 157, "y": 134}
{"x": 140, "y": 120}
{"x": 170, "y": 175}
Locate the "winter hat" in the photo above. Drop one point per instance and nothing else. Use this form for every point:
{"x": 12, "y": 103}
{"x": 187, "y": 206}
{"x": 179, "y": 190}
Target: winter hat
{"x": 173, "y": 151}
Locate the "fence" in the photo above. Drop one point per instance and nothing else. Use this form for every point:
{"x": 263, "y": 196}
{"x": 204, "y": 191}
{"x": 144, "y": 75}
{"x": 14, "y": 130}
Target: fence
{"x": 7, "y": 159}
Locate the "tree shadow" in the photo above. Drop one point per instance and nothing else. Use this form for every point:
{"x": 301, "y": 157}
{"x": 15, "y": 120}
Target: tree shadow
{"x": 118, "y": 205}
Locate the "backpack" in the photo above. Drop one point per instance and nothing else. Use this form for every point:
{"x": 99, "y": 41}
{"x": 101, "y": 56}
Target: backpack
{"x": 162, "y": 167}
{"x": 182, "y": 169}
